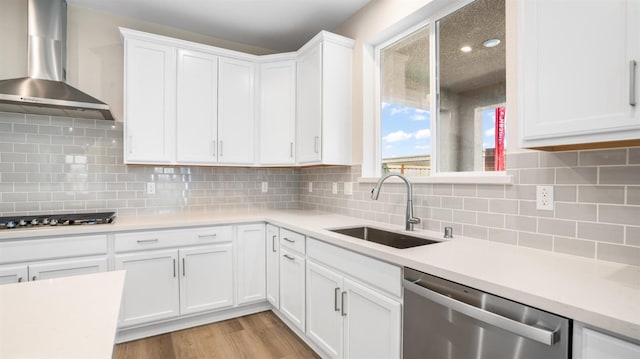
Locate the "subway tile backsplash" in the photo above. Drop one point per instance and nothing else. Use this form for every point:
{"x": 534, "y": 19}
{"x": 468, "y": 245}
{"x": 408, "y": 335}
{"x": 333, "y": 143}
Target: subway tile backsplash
{"x": 596, "y": 214}
{"x": 55, "y": 164}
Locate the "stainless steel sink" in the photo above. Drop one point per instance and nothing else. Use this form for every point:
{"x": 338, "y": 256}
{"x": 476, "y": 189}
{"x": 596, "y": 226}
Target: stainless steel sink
{"x": 391, "y": 239}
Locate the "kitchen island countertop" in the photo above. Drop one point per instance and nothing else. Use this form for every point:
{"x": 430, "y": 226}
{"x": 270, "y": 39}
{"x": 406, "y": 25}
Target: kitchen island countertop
{"x": 599, "y": 293}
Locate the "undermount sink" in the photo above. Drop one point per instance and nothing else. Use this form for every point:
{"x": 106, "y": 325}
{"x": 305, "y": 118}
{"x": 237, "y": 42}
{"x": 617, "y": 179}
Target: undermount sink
{"x": 391, "y": 239}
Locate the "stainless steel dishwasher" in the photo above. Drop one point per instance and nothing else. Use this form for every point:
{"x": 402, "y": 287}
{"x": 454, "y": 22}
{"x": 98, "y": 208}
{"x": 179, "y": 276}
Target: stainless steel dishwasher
{"x": 446, "y": 320}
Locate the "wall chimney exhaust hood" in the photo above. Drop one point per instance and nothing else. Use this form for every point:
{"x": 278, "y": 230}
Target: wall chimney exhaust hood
{"x": 44, "y": 92}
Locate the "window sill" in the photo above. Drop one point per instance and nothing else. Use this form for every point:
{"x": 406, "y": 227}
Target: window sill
{"x": 453, "y": 178}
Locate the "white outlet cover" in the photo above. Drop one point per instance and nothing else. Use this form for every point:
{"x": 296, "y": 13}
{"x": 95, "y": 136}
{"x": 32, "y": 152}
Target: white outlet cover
{"x": 544, "y": 198}
{"x": 310, "y": 186}
{"x": 265, "y": 186}
{"x": 348, "y": 188}
{"x": 151, "y": 188}
{"x": 334, "y": 188}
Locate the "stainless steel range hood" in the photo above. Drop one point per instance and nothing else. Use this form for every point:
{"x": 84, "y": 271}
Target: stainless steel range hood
{"x": 44, "y": 92}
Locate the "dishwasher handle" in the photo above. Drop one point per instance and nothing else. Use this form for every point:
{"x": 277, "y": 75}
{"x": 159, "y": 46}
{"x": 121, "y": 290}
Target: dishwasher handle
{"x": 543, "y": 336}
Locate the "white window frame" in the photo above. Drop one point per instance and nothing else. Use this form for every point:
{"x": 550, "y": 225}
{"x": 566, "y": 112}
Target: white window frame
{"x": 371, "y": 154}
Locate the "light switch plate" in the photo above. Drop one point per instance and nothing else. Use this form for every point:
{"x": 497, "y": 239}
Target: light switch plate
{"x": 334, "y": 188}
{"x": 348, "y": 188}
{"x": 265, "y": 187}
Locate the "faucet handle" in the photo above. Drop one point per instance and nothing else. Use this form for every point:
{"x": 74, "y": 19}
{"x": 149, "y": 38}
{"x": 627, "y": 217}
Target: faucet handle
{"x": 414, "y": 220}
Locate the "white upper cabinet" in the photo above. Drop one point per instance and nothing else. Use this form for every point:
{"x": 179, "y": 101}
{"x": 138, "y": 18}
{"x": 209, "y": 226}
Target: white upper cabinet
{"x": 577, "y": 79}
{"x": 236, "y": 112}
{"x": 277, "y": 112}
{"x": 197, "y": 107}
{"x": 149, "y": 104}
{"x": 324, "y": 117}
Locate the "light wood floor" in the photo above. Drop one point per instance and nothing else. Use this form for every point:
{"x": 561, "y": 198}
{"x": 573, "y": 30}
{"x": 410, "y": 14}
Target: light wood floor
{"x": 260, "y": 336}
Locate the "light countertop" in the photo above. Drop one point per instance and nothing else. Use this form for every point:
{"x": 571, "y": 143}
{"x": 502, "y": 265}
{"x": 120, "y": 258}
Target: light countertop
{"x": 599, "y": 293}
{"x": 71, "y": 317}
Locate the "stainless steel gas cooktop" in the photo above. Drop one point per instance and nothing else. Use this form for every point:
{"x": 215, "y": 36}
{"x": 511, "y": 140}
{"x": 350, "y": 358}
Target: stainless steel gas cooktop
{"x": 66, "y": 219}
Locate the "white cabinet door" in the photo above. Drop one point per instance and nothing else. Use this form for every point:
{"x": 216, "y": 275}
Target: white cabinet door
{"x": 151, "y": 289}
{"x": 592, "y": 344}
{"x": 372, "y": 323}
{"x": 273, "y": 265}
{"x": 235, "y": 111}
{"x": 571, "y": 91}
{"x": 251, "y": 274}
{"x": 324, "y": 317}
{"x": 149, "y": 106}
{"x": 197, "y": 107}
{"x": 309, "y": 102}
{"x": 13, "y": 274}
{"x": 277, "y": 113}
{"x": 206, "y": 278}
{"x": 66, "y": 268}
{"x": 292, "y": 287}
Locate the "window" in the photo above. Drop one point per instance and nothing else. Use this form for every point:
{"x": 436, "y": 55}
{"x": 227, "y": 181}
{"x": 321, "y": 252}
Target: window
{"x": 442, "y": 94}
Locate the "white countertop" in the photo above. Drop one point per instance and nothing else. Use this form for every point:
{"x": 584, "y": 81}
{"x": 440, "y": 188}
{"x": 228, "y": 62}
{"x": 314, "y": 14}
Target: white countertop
{"x": 599, "y": 293}
{"x": 71, "y": 317}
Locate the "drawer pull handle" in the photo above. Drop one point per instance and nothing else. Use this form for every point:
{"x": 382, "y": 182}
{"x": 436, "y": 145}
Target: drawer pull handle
{"x": 289, "y": 257}
{"x": 343, "y": 312}
{"x": 206, "y": 235}
{"x": 34, "y": 278}
{"x": 273, "y": 243}
{"x": 335, "y": 299}
{"x": 147, "y": 240}
{"x": 184, "y": 268}
{"x": 174, "y": 268}
{"x": 19, "y": 279}
{"x": 289, "y": 240}
{"x": 632, "y": 83}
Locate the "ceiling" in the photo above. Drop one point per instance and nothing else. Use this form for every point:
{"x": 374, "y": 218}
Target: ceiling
{"x": 280, "y": 25}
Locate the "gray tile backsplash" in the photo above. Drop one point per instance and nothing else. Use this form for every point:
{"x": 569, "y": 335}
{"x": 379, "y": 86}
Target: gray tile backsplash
{"x": 596, "y": 215}
{"x": 55, "y": 164}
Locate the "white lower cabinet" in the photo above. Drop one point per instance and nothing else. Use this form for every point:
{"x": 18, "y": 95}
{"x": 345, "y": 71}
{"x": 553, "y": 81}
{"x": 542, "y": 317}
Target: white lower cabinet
{"x": 273, "y": 265}
{"x": 206, "y": 278}
{"x": 151, "y": 288}
{"x": 589, "y": 343}
{"x": 251, "y": 282}
{"x": 51, "y": 269}
{"x": 292, "y": 286}
{"x": 349, "y": 320}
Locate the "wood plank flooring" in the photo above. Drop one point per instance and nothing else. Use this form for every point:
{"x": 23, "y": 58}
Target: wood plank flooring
{"x": 260, "y": 335}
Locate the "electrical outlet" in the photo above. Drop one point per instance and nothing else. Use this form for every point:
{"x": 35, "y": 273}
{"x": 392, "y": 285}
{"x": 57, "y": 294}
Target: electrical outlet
{"x": 265, "y": 187}
{"x": 151, "y": 188}
{"x": 544, "y": 198}
{"x": 348, "y": 188}
{"x": 334, "y": 188}
{"x": 310, "y": 186}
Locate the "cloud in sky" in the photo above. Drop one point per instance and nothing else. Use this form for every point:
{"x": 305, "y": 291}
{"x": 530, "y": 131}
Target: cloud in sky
{"x": 490, "y": 132}
{"x": 397, "y": 109}
{"x": 384, "y": 105}
{"x": 422, "y": 147}
{"x": 426, "y": 133}
{"x": 419, "y": 116}
{"x": 388, "y": 147}
{"x": 397, "y": 136}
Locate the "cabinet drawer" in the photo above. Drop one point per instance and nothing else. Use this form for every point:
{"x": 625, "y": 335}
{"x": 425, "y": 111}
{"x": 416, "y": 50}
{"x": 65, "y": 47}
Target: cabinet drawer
{"x": 292, "y": 240}
{"x": 25, "y": 250}
{"x": 379, "y": 274}
{"x": 137, "y": 241}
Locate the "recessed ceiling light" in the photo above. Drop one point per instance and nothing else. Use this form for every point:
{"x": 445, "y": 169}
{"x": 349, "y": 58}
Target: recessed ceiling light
{"x": 491, "y": 43}
{"x": 465, "y": 49}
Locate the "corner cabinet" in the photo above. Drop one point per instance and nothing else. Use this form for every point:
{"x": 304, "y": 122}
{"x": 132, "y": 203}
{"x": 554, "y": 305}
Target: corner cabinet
{"x": 572, "y": 93}
{"x": 324, "y": 101}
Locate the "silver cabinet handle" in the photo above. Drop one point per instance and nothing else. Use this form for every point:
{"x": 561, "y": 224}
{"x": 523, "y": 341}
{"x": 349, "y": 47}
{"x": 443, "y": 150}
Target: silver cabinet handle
{"x": 207, "y": 235}
{"x": 540, "y": 335}
{"x": 289, "y": 257}
{"x": 19, "y": 279}
{"x": 221, "y": 148}
{"x": 174, "y": 268}
{"x": 291, "y": 149}
{"x": 289, "y": 240}
{"x": 214, "y": 148}
{"x": 315, "y": 143}
{"x": 34, "y": 278}
{"x": 147, "y": 240}
{"x": 335, "y": 299}
{"x": 632, "y": 82}
{"x": 273, "y": 243}
{"x": 184, "y": 268}
{"x": 343, "y": 310}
